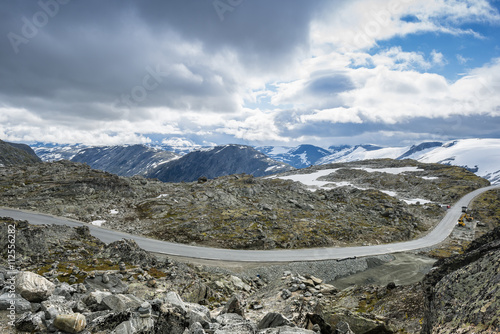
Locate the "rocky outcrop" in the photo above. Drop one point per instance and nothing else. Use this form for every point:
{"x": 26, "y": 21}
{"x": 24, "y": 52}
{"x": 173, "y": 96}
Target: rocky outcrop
{"x": 12, "y": 154}
{"x": 461, "y": 293}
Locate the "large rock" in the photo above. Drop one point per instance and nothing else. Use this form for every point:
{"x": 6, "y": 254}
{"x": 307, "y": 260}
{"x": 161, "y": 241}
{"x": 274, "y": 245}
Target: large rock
{"x": 198, "y": 314}
{"x": 313, "y": 319}
{"x": 33, "y": 287}
{"x": 20, "y": 304}
{"x": 272, "y": 320}
{"x": 94, "y": 300}
{"x": 120, "y": 303}
{"x": 29, "y": 322}
{"x": 56, "y": 305}
{"x": 71, "y": 323}
{"x": 171, "y": 320}
{"x": 135, "y": 325}
{"x": 174, "y": 299}
{"x": 234, "y": 305}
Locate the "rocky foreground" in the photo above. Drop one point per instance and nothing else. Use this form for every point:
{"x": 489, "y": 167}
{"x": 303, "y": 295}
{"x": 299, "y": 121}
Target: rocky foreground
{"x": 69, "y": 282}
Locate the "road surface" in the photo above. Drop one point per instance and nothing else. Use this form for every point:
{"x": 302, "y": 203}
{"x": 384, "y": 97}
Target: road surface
{"x": 436, "y": 236}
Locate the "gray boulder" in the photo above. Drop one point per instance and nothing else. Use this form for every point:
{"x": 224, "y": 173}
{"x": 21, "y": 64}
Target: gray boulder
{"x": 120, "y": 303}
{"x": 196, "y": 328}
{"x": 135, "y": 325}
{"x": 171, "y": 320}
{"x": 56, "y": 305}
{"x": 94, "y": 300}
{"x": 29, "y": 322}
{"x": 272, "y": 320}
{"x": 198, "y": 313}
{"x": 20, "y": 304}
{"x": 64, "y": 290}
{"x": 33, "y": 287}
{"x": 234, "y": 305}
{"x": 174, "y": 299}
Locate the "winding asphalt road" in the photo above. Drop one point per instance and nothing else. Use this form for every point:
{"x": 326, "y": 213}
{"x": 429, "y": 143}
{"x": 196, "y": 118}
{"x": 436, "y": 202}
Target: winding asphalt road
{"x": 436, "y": 236}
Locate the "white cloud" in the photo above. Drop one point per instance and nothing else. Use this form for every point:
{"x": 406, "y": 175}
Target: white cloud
{"x": 462, "y": 60}
{"x": 438, "y": 58}
{"x": 360, "y": 24}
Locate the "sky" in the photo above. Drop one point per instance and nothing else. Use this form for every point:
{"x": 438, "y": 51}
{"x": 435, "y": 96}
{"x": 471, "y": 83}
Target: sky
{"x": 255, "y": 72}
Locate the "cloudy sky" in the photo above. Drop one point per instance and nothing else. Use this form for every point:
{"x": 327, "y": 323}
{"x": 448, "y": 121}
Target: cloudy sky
{"x": 258, "y": 72}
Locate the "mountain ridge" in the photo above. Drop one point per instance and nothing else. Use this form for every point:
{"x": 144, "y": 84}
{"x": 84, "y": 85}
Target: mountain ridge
{"x": 218, "y": 161}
{"x": 461, "y": 152}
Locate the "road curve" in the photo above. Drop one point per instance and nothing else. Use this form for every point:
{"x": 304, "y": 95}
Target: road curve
{"x": 436, "y": 236}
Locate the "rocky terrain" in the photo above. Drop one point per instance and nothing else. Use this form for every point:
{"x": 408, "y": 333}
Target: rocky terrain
{"x": 242, "y": 211}
{"x": 462, "y": 294}
{"x": 66, "y": 281}
{"x": 13, "y": 154}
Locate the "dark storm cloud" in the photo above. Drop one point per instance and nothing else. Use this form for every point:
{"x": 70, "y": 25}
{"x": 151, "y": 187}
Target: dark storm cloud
{"x": 79, "y": 57}
{"x": 330, "y": 85}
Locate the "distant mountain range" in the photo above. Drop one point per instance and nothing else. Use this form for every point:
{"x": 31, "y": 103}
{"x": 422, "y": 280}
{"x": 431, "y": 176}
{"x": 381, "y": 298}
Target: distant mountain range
{"x": 482, "y": 156}
{"x": 124, "y": 160}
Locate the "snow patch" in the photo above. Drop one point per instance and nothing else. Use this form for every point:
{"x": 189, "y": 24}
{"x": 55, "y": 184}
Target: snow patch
{"x": 416, "y": 200}
{"x": 113, "y": 212}
{"x": 98, "y": 222}
{"x": 311, "y": 179}
{"x": 390, "y": 170}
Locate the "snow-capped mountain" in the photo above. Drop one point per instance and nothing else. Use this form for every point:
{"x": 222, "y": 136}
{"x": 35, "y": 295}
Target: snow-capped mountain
{"x": 124, "y": 160}
{"x": 55, "y": 152}
{"x": 218, "y": 161}
{"x": 478, "y": 155}
{"x": 299, "y": 157}
{"x": 481, "y": 156}
{"x": 180, "y": 146}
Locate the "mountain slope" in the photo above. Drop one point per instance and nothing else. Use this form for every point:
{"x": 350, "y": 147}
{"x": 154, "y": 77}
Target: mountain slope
{"x": 299, "y": 157}
{"x": 15, "y": 154}
{"x": 481, "y": 156}
{"x": 124, "y": 160}
{"x": 55, "y": 152}
{"x": 218, "y": 161}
